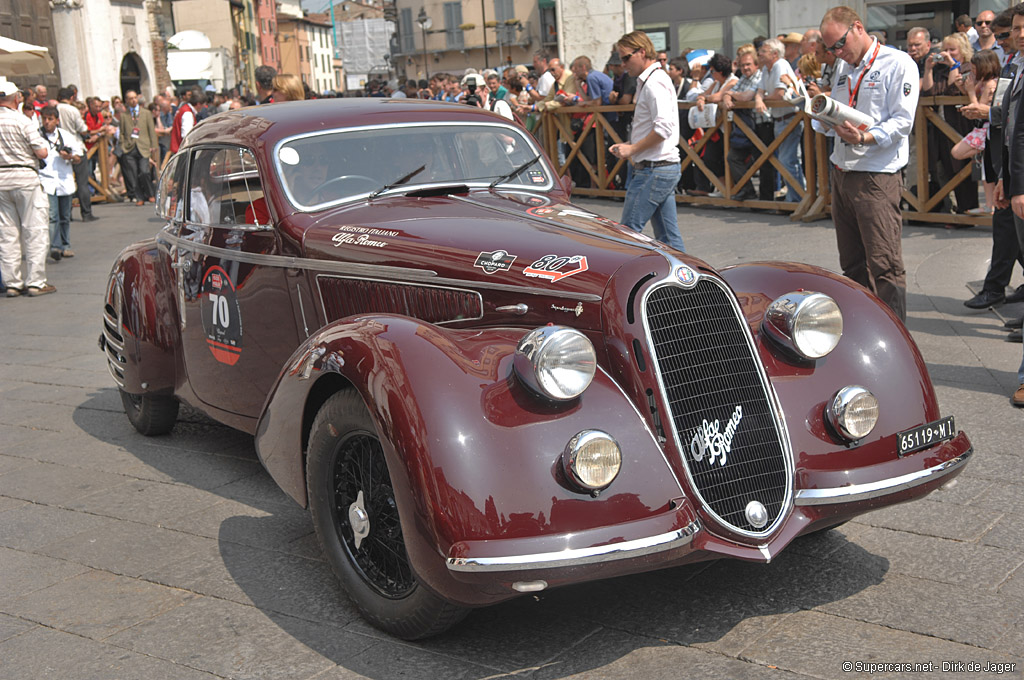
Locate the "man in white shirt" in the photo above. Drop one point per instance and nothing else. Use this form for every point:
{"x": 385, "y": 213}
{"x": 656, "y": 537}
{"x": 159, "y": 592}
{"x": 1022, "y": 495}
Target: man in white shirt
{"x": 653, "y": 145}
{"x": 867, "y": 183}
{"x": 545, "y": 80}
{"x": 776, "y": 78}
{"x": 64, "y": 151}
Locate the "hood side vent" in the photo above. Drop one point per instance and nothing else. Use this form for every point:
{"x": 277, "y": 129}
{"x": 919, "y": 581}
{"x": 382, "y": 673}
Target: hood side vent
{"x": 343, "y": 297}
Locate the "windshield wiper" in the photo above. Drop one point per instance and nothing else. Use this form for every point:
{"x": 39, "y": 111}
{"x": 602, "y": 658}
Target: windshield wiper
{"x": 397, "y": 182}
{"x": 515, "y": 172}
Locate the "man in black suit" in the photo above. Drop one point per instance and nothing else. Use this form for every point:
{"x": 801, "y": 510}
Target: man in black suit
{"x": 1005, "y": 250}
{"x": 1011, "y": 182}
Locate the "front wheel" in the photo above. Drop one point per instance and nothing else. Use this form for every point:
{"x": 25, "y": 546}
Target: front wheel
{"x": 150, "y": 414}
{"x": 356, "y": 519}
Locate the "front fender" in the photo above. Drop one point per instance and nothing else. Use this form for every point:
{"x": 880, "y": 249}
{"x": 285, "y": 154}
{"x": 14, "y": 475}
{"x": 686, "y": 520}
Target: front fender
{"x": 473, "y": 455}
{"x": 140, "y": 317}
{"x": 876, "y": 351}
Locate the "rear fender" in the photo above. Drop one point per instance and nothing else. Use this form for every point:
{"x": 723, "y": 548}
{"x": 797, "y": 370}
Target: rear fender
{"x": 473, "y": 455}
{"x": 139, "y": 310}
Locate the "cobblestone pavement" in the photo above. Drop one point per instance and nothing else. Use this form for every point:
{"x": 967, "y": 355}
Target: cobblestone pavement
{"x": 177, "y": 557}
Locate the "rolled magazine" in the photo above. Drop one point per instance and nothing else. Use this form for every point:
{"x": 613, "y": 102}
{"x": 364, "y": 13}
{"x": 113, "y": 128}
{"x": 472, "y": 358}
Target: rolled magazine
{"x": 832, "y": 112}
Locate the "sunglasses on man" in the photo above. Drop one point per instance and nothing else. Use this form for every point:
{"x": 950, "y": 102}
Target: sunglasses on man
{"x": 841, "y": 43}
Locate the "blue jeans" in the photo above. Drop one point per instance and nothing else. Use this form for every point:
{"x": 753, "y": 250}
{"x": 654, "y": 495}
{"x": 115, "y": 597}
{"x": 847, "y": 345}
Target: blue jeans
{"x": 788, "y": 155}
{"x": 651, "y": 196}
{"x": 60, "y": 222}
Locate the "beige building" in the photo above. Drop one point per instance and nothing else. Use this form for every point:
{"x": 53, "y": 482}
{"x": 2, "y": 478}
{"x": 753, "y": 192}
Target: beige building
{"x": 456, "y": 34}
{"x": 307, "y": 46}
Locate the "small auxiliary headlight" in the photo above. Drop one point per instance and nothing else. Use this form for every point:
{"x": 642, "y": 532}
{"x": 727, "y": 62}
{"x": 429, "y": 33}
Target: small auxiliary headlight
{"x": 810, "y": 324}
{"x": 592, "y": 460}
{"x": 556, "y": 362}
{"x": 853, "y": 412}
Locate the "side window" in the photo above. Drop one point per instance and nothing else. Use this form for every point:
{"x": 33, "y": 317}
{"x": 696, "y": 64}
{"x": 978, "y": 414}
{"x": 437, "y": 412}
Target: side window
{"x": 225, "y": 189}
{"x": 169, "y": 198}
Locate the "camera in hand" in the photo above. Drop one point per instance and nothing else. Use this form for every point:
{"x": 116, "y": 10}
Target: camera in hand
{"x": 473, "y": 99}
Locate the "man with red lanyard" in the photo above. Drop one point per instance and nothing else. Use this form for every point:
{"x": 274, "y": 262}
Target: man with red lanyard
{"x": 866, "y": 168}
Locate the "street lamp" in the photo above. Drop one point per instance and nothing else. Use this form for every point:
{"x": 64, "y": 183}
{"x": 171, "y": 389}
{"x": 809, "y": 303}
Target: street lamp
{"x": 425, "y": 23}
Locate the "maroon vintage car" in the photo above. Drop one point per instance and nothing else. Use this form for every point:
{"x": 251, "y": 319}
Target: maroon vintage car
{"x": 479, "y": 389}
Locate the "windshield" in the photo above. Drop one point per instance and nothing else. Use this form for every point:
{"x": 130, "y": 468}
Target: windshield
{"x": 323, "y": 169}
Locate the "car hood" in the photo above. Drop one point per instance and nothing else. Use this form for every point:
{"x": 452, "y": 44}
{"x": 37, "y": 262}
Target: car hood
{"x": 515, "y": 239}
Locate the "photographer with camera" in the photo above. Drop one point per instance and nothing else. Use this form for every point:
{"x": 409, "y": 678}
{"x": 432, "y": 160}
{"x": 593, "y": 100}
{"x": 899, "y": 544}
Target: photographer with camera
{"x": 58, "y": 180}
{"x": 477, "y": 94}
{"x": 945, "y": 73}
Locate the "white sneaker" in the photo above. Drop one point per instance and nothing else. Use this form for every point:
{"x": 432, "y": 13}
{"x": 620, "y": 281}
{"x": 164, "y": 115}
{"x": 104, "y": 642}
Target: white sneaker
{"x": 715, "y": 194}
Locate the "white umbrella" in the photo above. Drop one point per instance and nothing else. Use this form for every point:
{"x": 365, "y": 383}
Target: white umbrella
{"x": 21, "y": 59}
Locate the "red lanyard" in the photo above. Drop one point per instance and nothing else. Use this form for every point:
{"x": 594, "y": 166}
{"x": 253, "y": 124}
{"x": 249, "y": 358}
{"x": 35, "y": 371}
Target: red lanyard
{"x": 856, "y": 91}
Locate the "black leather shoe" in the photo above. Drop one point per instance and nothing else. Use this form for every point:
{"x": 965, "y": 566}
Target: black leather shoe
{"x": 1015, "y": 336}
{"x": 985, "y": 298}
{"x": 1014, "y": 323}
{"x": 1017, "y": 295}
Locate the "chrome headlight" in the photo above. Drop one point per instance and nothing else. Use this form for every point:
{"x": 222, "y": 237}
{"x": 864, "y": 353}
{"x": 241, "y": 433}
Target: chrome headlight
{"x": 556, "y": 362}
{"x": 853, "y": 412}
{"x": 807, "y": 323}
{"x": 592, "y": 460}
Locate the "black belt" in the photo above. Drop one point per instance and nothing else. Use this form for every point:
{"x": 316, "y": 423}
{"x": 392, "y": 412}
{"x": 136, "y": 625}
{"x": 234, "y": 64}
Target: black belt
{"x": 786, "y": 117}
{"x": 28, "y": 167}
{"x": 655, "y": 164}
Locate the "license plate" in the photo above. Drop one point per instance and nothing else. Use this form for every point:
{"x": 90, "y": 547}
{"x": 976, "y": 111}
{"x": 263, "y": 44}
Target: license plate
{"x": 923, "y": 436}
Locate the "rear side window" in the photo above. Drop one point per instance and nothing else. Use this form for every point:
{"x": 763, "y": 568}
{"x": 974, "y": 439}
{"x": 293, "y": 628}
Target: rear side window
{"x": 169, "y": 193}
{"x": 224, "y": 189}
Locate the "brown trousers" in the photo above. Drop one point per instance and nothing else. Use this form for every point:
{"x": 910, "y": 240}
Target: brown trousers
{"x": 869, "y": 229}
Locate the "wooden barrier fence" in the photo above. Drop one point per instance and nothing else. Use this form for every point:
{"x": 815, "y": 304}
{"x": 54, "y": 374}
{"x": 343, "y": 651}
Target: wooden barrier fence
{"x": 605, "y": 172}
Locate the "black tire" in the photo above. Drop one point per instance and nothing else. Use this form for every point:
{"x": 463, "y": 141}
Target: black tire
{"x": 345, "y": 459}
{"x": 150, "y": 414}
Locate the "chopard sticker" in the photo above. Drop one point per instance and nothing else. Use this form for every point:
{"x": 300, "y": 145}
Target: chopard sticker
{"x": 222, "y": 316}
{"x": 498, "y": 261}
{"x": 577, "y": 310}
{"x": 361, "y": 236}
{"x": 686, "y": 276}
{"x": 708, "y": 441}
{"x": 906, "y": 89}
{"x": 552, "y": 267}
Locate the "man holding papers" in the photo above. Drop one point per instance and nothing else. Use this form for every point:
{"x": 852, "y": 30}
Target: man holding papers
{"x": 883, "y": 83}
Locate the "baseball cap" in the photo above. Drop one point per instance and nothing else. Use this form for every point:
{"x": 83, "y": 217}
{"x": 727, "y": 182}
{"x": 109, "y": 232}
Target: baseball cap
{"x": 793, "y": 37}
{"x": 7, "y": 88}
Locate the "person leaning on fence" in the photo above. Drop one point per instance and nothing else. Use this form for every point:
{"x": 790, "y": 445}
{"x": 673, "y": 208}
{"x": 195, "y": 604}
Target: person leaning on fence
{"x": 866, "y": 173}
{"x": 773, "y": 88}
{"x": 945, "y": 73}
{"x": 742, "y": 152}
{"x": 653, "y": 145}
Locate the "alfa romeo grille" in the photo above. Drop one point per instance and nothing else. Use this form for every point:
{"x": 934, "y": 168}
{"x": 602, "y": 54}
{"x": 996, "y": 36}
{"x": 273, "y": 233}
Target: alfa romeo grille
{"x": 344, "y": 297}
{"x": 731, "y": 442}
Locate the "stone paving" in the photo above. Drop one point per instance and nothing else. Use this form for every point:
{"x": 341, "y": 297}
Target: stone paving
{"x": 177, "y": 556}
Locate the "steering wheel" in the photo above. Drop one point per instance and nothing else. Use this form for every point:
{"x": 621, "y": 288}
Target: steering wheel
{"x": 373, "y": 184}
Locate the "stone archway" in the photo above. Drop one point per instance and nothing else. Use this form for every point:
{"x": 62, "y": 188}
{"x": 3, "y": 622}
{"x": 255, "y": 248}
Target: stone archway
{"x": 133, "y": 74}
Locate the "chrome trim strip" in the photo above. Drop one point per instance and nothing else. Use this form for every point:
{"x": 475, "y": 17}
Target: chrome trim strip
{"x": 769, "y": 390}
{"x": 862, "y": 492}
{"x": 323, "y": 307}
{"x": 382, "y": 272}
{"x": 579, "y": 556}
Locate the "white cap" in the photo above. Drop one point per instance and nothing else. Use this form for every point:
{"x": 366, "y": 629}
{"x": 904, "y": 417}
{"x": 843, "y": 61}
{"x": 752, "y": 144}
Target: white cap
{"x": 7, "y": 88}
{"x": 474, "y": 78}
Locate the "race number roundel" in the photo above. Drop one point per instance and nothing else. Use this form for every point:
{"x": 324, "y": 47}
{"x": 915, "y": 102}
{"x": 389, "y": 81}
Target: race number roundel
{"x": 222, "y": 318}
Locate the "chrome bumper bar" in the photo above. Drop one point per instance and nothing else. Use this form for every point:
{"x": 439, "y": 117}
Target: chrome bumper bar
{"x": 861, "y": 492}
{"x": 578, "y": 556}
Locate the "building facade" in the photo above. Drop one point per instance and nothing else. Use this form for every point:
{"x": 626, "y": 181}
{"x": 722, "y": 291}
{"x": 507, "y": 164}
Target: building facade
{"x": 266, "y": 30}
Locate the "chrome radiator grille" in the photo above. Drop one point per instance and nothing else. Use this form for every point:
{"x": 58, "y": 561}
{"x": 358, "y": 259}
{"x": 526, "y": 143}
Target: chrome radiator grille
{"x": 729, "y": 437}
{"x": 113, "y": 341}
{"x": 344, "y": 297}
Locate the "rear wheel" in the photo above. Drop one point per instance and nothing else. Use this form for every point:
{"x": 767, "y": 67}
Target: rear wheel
{"x": 150, "y": 414}
{"x": 352, "y": 502}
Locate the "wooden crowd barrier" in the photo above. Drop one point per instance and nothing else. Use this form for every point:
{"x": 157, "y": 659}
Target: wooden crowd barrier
{"x": 554, "y": 128}
{"x": 103, "y": 193}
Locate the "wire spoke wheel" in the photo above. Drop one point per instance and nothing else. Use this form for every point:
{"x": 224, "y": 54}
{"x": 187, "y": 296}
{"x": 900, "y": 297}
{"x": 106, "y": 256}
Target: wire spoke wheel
{"x": 355, "y": 513}
{"x": 380, "y": 556}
